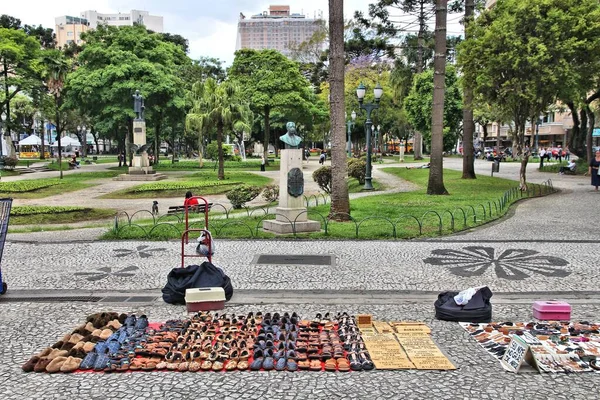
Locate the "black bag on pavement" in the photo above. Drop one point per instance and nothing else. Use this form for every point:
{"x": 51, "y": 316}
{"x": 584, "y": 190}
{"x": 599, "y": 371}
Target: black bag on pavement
{"x": 195, "y": 276}
{"x": 478, "y": 309}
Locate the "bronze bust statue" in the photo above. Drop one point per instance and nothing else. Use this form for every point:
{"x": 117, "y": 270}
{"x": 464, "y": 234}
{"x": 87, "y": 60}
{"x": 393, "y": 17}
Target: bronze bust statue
{"x": 290, "y": 139}
{"x": 138, "y": 105}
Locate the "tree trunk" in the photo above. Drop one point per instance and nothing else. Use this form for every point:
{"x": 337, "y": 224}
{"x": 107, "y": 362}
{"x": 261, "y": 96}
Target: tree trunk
{"x": 468, "y": 123}
{"x": 57, "y": 116}
{"x": 157, "y": 129}
{"x": 436, "y": 171}
{"x": 221, "y": 173}
{"x": 418, "y": 137}
{"x": 588, "y": 137}
{"x": 267, "y": 135}
{"x": 43, "y": 139}
{"x": 340, "y": 200}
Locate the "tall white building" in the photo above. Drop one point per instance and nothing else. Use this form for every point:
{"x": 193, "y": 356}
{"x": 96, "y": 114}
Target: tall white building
{"x": 151, "y": 22}
{"x": 276, "y": 29}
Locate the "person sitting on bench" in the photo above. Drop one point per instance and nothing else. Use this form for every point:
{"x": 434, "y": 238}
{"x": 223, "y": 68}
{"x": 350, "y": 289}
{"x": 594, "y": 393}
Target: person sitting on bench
{"x": 73, "y": 163}
{"x": 569, "y": 168}
{"x": 190, "y": 200}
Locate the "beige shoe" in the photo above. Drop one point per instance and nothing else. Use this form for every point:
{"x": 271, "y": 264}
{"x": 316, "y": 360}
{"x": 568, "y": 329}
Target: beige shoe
{"x": 75, "y": 338}
{"x": 105, "y": 334}
{"x": 114, "y": 325}
{"x": 71, "y": 364}
{"x": 88, "y": 346}
{"x": 55, "y": 364}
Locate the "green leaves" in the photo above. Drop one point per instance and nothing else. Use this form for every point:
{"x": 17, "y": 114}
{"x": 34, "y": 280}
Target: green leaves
{"x": 33, "y": 210}
{"x": 27, "y": 186}
{"x": 158, "y": 186}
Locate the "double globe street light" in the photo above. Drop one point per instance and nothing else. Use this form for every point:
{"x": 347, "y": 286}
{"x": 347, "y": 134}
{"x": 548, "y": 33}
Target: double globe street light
{"x": 368, "y": 107}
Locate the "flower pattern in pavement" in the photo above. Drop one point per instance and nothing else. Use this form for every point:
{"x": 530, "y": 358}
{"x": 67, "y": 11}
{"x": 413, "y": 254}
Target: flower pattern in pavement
{"x": 143, "y": 251}
{"x": 105, "y": 272}
{"x": 512, "y": 264}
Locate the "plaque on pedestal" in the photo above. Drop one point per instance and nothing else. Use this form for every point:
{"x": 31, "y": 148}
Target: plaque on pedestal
{"x": 139, "y": 132}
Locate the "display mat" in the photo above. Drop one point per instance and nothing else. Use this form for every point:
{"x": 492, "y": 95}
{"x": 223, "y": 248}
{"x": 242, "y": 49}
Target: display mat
{"x": 404, "y": 345}
{"x": 555, "y": 346}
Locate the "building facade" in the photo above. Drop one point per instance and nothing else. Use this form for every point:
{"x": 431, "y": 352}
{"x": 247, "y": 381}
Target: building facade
{"x": 276, "y": 29}
{"x": 68, "y": 29}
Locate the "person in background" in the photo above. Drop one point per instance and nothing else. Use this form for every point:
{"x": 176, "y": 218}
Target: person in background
{"x": 262, "y": 163}
{"x": 571, "y": 166}
{"x": 542, "y": 156}
{"x": 322, "y": 157}
{"x": 593, "y": 170}
{"x": 567, "y": 154}
{"x": 189, "y": 199}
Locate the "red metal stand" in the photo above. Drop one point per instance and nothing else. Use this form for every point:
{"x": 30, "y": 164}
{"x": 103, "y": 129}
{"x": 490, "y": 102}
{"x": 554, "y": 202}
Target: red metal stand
{"x": 187, "y": 207}
{"x": 184, "y": 241}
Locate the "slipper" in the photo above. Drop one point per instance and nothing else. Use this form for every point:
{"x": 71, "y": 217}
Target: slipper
{"x": 89, "y": 361}
{"x": 105, "y": 334}
{"x": 30, "y": 364}
{"x": 194, "y": 366}
{"x": 57, "y": 353}
{"x": 113, "y": 346}
{"x": 217, "y": 365}
{"x": 242, "y": 365}
{"x": 71, "y": 364}
{"x": 184, "y": 366}
{"x": 77, "y": 353}
{"x": 152, "y": 362}
{"x": 115, "y": 325}
{"x": 162, "y": 365}
{"x": 41, "y": 365}
{"x": 122, "y": 317}
{"x": 330, "y": 365}
{"x": 206, "y": 365}
{"x": 123, "y": 365}
{"x": 141, "y": 323}
{"x": 315, "y": 365}
{"x": 102, "y": 361}
{"x": 281, "y": 364}
{"x": 88, "y": 347}
{"x": 291, "y": 365}
{"x": 137, "y": 363}
{"x": 55, "y": 364}
{"x": 231, "y": 365}
{"x": 130, "y": 320}
{"x": 257, "y": 364}
{"x": 343, "y": 365}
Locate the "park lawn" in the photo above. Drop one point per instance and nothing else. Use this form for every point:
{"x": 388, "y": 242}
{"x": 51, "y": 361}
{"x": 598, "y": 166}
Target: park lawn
{"x": 377, "y": 216}
{"x": 355, "y": 187}
{"x": 202, "y": 183}
{"x": 69, "y": 183}
{"x": 38, "y": 215}
{"x": 251, "y": 164}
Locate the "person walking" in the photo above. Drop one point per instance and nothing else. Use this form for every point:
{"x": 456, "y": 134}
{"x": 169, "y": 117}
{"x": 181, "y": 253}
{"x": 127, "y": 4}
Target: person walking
{"x": 322, "y": 157}
{"x": 542, "y": 155}
{"x": 567, "y": 154}
{"x": 262, "y": 163}
{"x": 120, "y": 158}
{"x": 593, "y": 170}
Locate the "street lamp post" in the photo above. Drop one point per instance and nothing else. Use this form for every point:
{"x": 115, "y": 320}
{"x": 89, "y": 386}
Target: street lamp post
{"x": 368, "y": 107}
{"x": 350, "y": 125}
{"x": 537, "y": 133}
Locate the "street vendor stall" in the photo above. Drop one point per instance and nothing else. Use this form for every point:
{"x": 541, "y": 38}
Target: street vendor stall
{"x": 30, "y": 147}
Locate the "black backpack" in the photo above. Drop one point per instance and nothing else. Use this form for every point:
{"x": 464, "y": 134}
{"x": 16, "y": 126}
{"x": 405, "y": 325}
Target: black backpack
{"x": 195, "y": 276}
{"x": 478, "y": 309}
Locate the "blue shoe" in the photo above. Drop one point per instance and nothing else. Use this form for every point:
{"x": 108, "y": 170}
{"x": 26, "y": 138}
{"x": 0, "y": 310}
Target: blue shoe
{"x": 123, "y": 335}
{"x": 292, "y": 365}
{"x": 142, "y": 323}
{"x": 256, "y": 364}
{"x": 102, "y": 361}
{"x": 113, "y": 346}
{"x": 281, "y": 363}
{"x": 279, "y": 355}
{"x": 100, "y": 348}
{"x": 130, "y": 321}
{"x": 268, "y": 364}
{"x": 89, "y": 361}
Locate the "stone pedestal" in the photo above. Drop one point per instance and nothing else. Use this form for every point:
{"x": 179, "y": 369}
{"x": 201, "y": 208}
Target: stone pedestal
{"x": 139, "y": 132}
{"x": 291, "y": 201}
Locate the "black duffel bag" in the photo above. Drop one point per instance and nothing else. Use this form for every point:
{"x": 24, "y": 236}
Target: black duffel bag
{"x": 478, "y": 309}
{"x": 195, "y": 276}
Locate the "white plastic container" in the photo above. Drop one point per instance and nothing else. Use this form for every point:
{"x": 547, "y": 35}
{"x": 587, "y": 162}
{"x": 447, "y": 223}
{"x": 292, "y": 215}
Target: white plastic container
{"x": 204, "y": 299}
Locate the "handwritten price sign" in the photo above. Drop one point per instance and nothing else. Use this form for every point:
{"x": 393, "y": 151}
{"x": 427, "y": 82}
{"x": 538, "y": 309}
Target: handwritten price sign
{"x": 515, "y": 354}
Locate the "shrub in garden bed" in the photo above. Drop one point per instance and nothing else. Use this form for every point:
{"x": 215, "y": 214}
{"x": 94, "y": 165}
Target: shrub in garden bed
{"x": 27, "y": 186}
{"x": 32, "y": 210}
{"x": 158, "y": 186}
{"x": 240, "y": 195}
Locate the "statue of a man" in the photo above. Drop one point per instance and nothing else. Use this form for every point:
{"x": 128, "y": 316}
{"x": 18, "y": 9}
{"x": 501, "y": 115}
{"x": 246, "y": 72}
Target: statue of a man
{"x": 290, "y": 139}
{"x": 138, "y": 105}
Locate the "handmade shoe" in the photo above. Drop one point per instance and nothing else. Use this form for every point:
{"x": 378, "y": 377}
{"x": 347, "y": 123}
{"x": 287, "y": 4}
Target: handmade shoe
{"x": 30, "y": 364}
{"x": 355, "y": 362}
{"x": 41, "y": 365}
{"x": 330, "y": 365}
{"x": 281, "y": 364}
{"x": 89, "y": 361}
{"x": 114, "y": 325}
{"x": 291, "y": 365}
{"x": 194, "y": 366}
{"x": 101, "y": 363}
{"x": 88, "y": 346}
{"x": 257, "y": 364}
{"x": 55, "y": 364}
{"x": 71, "y": 364}
{"x": 105, "y": 334}
{"x": 268, "y": 363}
{"x": 343, "y": 365}
{"x": 315, "y": 365}
{"x": 142, "y": 323}
{"x": 365, "y": 359}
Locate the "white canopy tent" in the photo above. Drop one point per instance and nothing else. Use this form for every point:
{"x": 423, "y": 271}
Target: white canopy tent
{"x": 32, "y": 140}
{"x": 66, "y": 142}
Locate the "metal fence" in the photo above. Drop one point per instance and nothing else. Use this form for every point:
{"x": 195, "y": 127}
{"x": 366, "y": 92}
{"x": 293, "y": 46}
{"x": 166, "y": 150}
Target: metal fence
{"x": 405, "y": 226}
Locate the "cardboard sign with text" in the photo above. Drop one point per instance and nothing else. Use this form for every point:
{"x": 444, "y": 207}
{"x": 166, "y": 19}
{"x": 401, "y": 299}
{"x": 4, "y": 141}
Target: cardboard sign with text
{"x": 517, "y": 352}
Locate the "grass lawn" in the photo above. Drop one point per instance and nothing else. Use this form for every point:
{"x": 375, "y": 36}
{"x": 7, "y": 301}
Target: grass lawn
{"x": 377, "y": 216}
{"x": 201, "y": 183}
{"x": 355, "y": 187}
{"x": 252, "y": 164}
{"x": 32, "y": 188}
{"x": 36, "y": 215}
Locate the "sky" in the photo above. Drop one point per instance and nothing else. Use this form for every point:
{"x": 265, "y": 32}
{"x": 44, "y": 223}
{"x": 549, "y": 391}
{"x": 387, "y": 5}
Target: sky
{"x": 209, "y": 26}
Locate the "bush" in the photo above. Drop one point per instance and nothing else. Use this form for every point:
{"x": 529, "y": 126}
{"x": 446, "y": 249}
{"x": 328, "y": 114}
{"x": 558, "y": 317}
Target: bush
{"x": 10, "y": 162}
{"x": 27, "y": 186}
{"x": 356, "y": 169}
{"x": 240, "y": 195}
{"x": 271, "y": 193}
{"x": 322, "y": 177}
{"x": 236, "y": 158}
{"x": 212, "y": 151}
{"x": 32, "y": 210}
{"x": 157, "y": 186}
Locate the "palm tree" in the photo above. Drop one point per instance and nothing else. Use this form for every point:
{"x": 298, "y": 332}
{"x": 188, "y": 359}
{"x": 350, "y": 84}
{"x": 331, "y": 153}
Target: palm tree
{"x": 340, "y": 201}
{"x": 468, "y": 123}
{"x": 217, "y": 104}
{"x": 57, "y": 66}
{"x": 436, "y": 172}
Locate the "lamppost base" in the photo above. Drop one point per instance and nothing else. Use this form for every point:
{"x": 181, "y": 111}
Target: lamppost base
{"x": 368, "y": 184}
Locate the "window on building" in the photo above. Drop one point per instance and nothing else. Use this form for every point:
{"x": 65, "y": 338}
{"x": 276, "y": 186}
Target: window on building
{"x": 69, "y": 33}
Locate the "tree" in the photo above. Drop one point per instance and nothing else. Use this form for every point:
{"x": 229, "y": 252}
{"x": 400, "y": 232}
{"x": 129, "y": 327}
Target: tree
{"x": 19, "y": 69}
{"x": 57, "y": 66}
{"x": 436, "y": 171}
{"x": 521, "y": 58}
{"x": 468, "y": 122}
{"x": 419, "y": 110}
{"x": 114, "y": 63}
{"x": 269, "y": 81}
{"x": 217, "y": 104}
{"x": 340, "y": 200}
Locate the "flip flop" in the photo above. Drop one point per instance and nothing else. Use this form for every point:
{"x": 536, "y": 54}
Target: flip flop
{"x": 123, "y": 365}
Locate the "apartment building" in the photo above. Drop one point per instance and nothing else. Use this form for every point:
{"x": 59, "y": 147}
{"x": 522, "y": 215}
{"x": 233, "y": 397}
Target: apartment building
{"x": 68, "y": 29}
{"x": 276, "y": 29}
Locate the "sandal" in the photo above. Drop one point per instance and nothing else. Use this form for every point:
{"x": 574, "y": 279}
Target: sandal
{"x": 330, "y": 365}
{"x": 315, "y": 365}
{"x": 343, "y": 365}
{"x": 206, "y": 365}
{"x": 231, "y": 365}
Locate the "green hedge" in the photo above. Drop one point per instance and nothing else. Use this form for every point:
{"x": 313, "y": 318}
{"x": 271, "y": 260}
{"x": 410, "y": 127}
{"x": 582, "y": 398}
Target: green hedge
{"x": 153, "y": 187}
{"x": 33, "y": 210}
{"x": 27, "y": 186}
{"x": 186, "y": 165}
